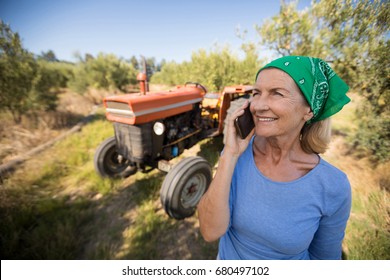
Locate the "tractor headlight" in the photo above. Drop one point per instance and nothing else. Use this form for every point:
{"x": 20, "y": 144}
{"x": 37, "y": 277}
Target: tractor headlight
{"x": 158, "y": 128}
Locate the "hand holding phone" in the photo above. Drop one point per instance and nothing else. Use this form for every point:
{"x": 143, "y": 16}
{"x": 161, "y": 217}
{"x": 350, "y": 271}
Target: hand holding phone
{"x": 244, "y": 123}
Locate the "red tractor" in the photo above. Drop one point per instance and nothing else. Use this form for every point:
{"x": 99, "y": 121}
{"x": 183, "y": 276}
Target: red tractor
{"x": 151, "y": 128}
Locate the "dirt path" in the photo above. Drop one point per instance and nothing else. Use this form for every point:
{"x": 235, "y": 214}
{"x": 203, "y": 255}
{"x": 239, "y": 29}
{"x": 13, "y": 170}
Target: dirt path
{"x": 9, "y": 166}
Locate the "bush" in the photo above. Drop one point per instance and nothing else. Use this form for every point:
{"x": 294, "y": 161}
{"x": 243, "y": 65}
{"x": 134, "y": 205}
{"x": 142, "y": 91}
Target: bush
{"x": 372, "y": 136}
{"x": 27, "y": 85}
{"x": 103, "y": 72}
{"x": 50, "y": 77}
{"x": 17, "y": 72}
{"x": 215, "y": 69}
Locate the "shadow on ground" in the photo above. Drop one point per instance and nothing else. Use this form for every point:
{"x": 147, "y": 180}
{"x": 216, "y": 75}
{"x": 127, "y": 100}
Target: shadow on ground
{"x": 38, "y": 222}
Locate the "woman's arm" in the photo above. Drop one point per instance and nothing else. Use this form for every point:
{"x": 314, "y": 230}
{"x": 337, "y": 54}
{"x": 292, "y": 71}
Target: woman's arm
{"x": 327, "y": 241}
{"x": 213, "y": 208}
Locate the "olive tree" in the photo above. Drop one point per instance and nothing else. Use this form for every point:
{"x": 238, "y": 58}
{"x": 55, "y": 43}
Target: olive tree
{"x": 17, "y": 72}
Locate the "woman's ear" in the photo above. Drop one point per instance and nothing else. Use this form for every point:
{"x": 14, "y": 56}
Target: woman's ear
{"x": 309, "y": 115}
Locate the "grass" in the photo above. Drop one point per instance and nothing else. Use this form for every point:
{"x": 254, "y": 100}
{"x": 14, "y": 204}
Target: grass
{"x": 40, "y": 215}
{"x": 368, "y": 231}
{"x": 56, "y": 207}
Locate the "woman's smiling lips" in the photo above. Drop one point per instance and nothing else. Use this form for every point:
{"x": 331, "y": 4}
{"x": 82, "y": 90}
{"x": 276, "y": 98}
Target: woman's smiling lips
{"x": 266, "y": 119}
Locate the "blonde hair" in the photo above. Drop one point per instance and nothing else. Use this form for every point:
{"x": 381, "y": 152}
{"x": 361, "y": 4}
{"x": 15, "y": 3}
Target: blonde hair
{"x": 315, "y": 137}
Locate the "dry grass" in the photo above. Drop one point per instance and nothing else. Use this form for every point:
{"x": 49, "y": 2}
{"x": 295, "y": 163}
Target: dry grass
{"x": 39, "y": 128}
{"x": 368, "y": 229}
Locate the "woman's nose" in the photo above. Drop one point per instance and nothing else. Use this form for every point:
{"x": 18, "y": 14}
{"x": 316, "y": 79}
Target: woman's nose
{"x": 260, "y": 104}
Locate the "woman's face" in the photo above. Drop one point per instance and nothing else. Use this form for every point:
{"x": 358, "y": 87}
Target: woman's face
{"x": 278, "y": 106}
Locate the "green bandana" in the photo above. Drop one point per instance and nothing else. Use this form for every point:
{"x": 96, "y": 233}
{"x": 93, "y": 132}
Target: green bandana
{"x": 323, "y": 89}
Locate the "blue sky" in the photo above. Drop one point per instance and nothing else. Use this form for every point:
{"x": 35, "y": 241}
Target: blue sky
{"x": 165, "y": 29}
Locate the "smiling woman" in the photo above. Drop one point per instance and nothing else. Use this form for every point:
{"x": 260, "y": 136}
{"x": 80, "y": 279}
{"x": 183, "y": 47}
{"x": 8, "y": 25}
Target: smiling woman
{"x": 273, "y": 196}
{"x": 278, "y": 106}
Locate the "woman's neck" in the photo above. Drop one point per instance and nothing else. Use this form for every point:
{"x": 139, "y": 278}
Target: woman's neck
{"x": 279, "y": 149}
{"x": 282, "y": 161}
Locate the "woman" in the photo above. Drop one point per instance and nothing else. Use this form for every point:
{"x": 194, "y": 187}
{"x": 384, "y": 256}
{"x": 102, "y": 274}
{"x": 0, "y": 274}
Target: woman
{"x": 273, "y": 196}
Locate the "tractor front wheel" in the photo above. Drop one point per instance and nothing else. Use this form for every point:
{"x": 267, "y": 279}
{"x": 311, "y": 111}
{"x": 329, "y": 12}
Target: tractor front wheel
{"x": 184, "y": 185}
{"x": 108, "y": 163}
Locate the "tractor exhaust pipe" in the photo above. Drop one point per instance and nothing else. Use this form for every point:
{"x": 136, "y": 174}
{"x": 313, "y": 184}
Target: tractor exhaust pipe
{"x": 143, "y": 83}
{"x": 143, "y": 78}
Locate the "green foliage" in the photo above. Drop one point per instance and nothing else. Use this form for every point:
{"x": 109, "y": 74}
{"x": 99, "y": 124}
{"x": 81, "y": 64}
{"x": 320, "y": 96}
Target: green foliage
{"x": 215, "y": 69}
{"x": 372, "y": 136}
{"x": 106, "y": 71}
{"x": 134, "y": 61}
{"x": 50, "y": 77}
{"x": 290, "y": 32}
{"x": 28, "y": 85}
{"x": 17, "y": 72}
{"x": 49, "y": 56}
{"x": 149, "y": 64}
{"x": 353, "y": 35}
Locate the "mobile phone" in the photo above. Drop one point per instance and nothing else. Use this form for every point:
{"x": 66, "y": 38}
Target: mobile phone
{"x": 244, "y": 123}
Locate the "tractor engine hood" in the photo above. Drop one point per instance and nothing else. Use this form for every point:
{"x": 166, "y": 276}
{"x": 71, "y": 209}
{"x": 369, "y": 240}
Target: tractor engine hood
{"x": 137, "y": 109}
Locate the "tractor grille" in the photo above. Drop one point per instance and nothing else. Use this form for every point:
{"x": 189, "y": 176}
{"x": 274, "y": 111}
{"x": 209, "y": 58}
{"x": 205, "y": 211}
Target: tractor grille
{"x": 134, "y": 141}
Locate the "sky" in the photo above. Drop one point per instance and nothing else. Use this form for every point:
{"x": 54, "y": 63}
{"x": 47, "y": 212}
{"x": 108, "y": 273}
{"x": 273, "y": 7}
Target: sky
{"x": 165, "y": 29}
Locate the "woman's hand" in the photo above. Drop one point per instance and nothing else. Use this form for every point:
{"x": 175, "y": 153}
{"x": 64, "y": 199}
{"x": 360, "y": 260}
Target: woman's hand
{"x": 234, "y": 145}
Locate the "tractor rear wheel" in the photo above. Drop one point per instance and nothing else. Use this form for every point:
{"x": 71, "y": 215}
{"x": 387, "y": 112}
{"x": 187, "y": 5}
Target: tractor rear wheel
{"x": 108, "y": 163}
{"x": 184, "y": 186}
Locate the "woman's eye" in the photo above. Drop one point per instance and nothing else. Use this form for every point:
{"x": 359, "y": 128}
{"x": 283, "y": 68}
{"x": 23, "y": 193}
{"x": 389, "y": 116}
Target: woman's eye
{"x": 277, "y": 93}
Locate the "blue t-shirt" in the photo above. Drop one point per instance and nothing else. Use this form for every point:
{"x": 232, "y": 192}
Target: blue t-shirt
{"x": 301, "y": 219}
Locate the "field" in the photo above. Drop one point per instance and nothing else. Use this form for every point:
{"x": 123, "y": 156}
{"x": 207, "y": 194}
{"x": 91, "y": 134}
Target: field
{"x": 54, "y": 206}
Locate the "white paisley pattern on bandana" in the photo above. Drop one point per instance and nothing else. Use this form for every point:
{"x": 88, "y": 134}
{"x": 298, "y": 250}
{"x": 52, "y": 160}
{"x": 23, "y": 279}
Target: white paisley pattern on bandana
{"x": 322, "y": 74}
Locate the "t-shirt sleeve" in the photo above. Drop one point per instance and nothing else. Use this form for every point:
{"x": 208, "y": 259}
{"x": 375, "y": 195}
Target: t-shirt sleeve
{"x": 327, "y": 241}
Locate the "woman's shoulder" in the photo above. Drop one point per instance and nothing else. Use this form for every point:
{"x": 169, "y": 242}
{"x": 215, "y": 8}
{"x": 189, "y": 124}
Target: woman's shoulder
{"x": 336, "y": 180}
{"x": 329, "y": 168}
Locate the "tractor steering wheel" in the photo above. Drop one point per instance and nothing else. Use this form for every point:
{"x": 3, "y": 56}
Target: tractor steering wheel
{"x": 197, "y": 84}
